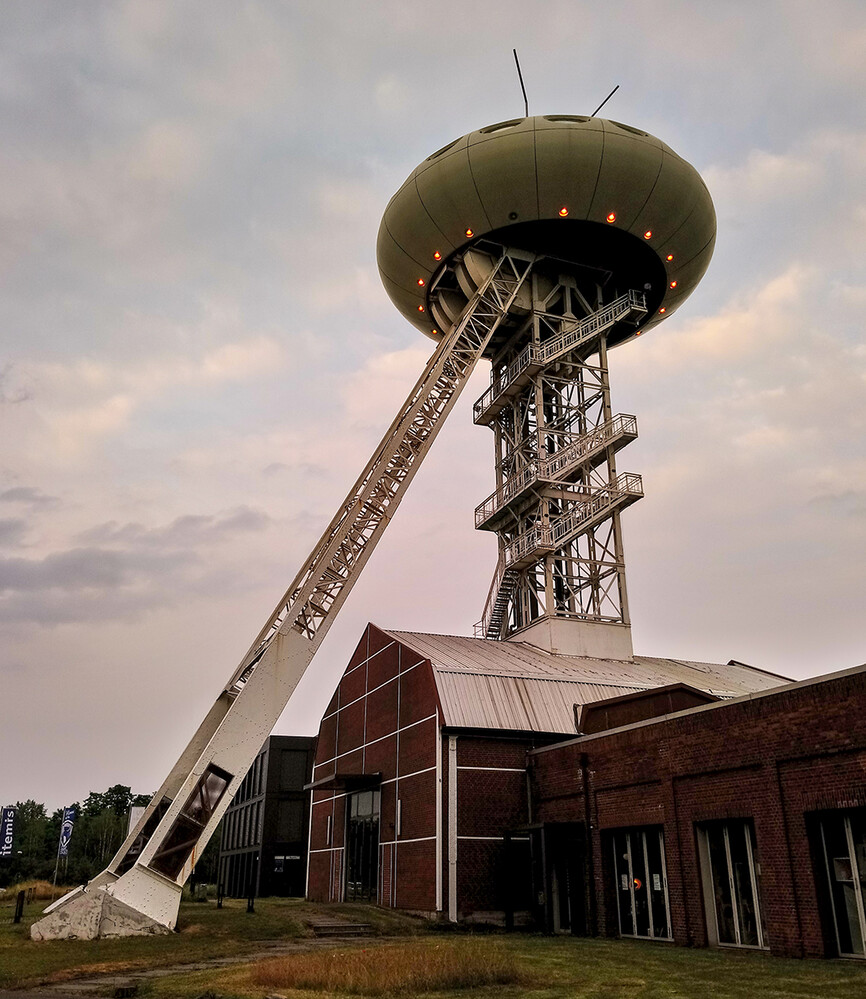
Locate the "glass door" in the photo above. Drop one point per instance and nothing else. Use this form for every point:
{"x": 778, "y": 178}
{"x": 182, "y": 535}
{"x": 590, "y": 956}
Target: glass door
{"x": 843, "y": 837}
{"x": 732, "y": 885}
{"x": 362, "y": 847}
{"x": 641, "y": 883}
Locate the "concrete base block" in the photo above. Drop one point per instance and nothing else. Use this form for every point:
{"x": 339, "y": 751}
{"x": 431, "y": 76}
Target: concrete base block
{"x": 94, "y": 914}
{"x": 567, "y": 637}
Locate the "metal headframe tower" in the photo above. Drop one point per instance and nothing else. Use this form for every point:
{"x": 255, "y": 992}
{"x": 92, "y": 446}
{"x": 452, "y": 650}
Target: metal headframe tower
{"x": 556, "y": 508}
{"x": 623, "y": 229}
{"x": 538, "y": 243}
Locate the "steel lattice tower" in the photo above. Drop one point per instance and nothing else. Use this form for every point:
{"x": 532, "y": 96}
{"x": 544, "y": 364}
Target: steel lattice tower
{"x": 556, "y": 508}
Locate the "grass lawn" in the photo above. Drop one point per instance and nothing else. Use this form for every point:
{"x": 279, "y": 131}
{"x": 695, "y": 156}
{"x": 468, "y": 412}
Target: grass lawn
{"x": 204, "y": 932}
{"x": 567, "y": 968}
{"x": 455, "y": 964}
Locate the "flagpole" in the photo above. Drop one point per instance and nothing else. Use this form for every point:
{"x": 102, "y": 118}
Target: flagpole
{"x": 59, "y": 842}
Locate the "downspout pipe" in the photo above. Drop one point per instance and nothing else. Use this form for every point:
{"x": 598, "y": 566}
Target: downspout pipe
{"x": 589, "y": 861}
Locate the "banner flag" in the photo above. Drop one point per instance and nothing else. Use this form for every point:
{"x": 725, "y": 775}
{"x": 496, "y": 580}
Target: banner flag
{"x": 7, "y": 827}
{"x": 66, "y": 831}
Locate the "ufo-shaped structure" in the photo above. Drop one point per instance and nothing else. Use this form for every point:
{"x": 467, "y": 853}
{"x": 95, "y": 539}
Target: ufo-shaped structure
{"x": 595, "y": 192}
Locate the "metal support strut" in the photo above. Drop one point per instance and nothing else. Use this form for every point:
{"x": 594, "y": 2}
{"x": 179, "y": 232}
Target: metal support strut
{"x": 147, "y": 873}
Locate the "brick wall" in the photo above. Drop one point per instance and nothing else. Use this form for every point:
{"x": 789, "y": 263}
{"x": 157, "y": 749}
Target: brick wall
{"x": 776, "y": 760}
{"x": 382, "y": 719}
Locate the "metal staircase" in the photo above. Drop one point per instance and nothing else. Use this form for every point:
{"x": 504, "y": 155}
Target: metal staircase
{"x": 568, "y": 334}
{"x": 557, "y": 504}
{"x": 591, "y": 505}
{"x": 501, "y": 589}
{"x": 586, "y": 450}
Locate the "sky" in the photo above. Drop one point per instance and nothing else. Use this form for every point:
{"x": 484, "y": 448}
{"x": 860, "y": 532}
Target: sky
{"x": 197, "y": 356}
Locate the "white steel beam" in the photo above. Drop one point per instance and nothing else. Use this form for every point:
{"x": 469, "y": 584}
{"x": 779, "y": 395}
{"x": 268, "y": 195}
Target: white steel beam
{"x": 150, "y": 868}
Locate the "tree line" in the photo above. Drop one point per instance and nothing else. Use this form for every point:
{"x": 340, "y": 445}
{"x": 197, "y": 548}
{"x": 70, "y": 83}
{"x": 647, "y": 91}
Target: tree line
{"x": 100, "y": 827}
{"x": 101, "y": 824}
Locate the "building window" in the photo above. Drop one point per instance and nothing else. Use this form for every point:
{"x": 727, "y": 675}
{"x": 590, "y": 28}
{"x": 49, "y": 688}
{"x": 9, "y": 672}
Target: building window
{"x": 290, "y": 821}
{"x": 731, "y": 878}
{"x": 641, "y": 883}
{"x": 843, "y": 843}
{"x": 186, "y": 830}
{"x": 293, "y": 768}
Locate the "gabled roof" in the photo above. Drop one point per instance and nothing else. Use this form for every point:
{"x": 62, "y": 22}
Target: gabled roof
{"x": 515, "y": 686}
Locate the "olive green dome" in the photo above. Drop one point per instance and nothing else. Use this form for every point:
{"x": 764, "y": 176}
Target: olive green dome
{"x": 594, "y": 191}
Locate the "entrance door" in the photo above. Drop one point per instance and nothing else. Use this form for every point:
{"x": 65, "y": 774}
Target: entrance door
{"x": 731, "y": 884}
{"x": 843, "y": 837}
{"x": 564, "y": 847}
{"x": 362, "y": 847}
{"x": 641, "y": 883}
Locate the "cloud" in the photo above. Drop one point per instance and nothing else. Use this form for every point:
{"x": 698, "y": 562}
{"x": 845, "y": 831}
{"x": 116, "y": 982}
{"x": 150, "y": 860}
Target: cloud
{"x": 847, "y": 504}
{"x": 123, "y": 570}
{"x": 764, "y": 176}
{"x": 189, "y": 531}
{"x": 12, "y": 390}
{"x": 138, "y": 382}
{"x": 372, "y": 394}
{"x": 12, "y": 531}
{"x": 79, "y": 403}
{"x": 29, "y": 496}
{"x": 750, "y": 324}
{"x": 82, "y": 569}
{"x": 391, "y": 94}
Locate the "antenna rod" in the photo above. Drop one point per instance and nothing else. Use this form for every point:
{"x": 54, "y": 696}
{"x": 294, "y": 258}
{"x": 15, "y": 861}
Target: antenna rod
{"x": 594, "y": 113}
{"x": 520, "y": 77}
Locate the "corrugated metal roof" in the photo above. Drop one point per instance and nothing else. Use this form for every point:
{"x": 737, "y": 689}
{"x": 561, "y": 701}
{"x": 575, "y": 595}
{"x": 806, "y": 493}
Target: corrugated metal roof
{"x": 477, "y": 700}
{"x": 516, "y": 686}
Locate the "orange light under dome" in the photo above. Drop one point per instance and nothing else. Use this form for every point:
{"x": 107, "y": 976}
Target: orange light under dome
{"x": 611, "y": 217}
{"x": 420, "y": 308}
{"x": 420, "y": 282}
{"x": 469, "y": 232}
{"x": 670, "y": 256}
{"x": 662, "y": 311}
{"x": 563, "y": 211}
{"x": 648, "y": 234}
{"x": 438, "y": 256}
{"x": 673, "y": 284}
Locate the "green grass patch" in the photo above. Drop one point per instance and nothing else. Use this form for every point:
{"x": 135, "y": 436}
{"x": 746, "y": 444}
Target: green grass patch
{"x": 544, "y": 968}
{"x": 204, "y": 932}
{"x": 517, "y": 966}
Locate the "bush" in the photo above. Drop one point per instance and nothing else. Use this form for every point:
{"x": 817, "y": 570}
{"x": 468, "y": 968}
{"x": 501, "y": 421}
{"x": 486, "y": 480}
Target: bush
{"x": 403, "y": 968}
{"x": 38, "y": 891}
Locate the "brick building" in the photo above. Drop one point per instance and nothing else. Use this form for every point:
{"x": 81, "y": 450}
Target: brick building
{"x": 696, "y": 803}
{"x": 420, "y": 779}
{"x": 735, "y": 823}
